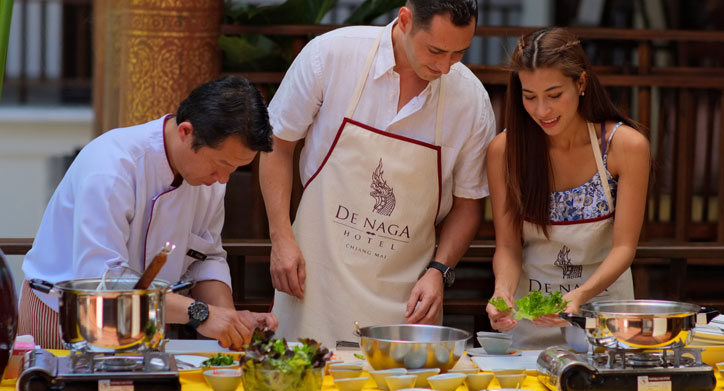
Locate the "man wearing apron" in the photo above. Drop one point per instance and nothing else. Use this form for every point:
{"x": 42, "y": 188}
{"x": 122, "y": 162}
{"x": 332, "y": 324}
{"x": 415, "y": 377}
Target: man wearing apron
{"x": 395, "y": 136}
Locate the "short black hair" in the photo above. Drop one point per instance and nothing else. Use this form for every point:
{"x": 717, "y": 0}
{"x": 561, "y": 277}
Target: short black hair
{"x": 461, "y": 12}
{"x": 228, "y": 106}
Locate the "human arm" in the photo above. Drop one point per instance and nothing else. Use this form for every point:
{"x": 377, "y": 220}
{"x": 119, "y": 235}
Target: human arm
{"x": 292, "y": 113}
{"x": 508, "y": 257}
{"x": 458, "y": 230}
{"x": 287, "y": 265}
{"x": 230, "y": 327}
{"x": 629, "y": 159}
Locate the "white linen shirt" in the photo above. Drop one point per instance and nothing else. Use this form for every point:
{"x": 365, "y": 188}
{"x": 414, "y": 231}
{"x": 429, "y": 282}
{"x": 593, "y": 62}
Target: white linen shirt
{"x": 313, "y": 97}
{"x": 115, "y": 205}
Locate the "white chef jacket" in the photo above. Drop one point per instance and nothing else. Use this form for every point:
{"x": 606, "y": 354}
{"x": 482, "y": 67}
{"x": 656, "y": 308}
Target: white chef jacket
{"x": 118, "y": 187}
{"x": 314, "y": 94}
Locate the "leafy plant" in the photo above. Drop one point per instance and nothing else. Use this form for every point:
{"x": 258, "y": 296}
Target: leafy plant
{"x": 274, "y": 53}
{"x": 533, "y": 305}
{"x": 269, "y": 364}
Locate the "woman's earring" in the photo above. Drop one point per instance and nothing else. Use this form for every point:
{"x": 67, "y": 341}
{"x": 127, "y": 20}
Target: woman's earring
{"x": 583, "y": 93}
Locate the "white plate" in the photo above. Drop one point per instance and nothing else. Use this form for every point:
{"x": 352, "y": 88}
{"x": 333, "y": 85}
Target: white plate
{"x": 527, "y": 360}
{"x": 480, "y": 352}
{"x": 188, "y": 362}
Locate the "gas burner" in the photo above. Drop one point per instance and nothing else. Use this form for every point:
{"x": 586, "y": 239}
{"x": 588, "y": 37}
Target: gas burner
{"x": 673, "y": 368}
{"x": 647, "y": 360}
{"x": 84, "y": 370}
{"x": 116, "y": 364}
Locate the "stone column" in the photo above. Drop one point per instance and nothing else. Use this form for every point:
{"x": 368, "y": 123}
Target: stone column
{"x": 154, "y": 53}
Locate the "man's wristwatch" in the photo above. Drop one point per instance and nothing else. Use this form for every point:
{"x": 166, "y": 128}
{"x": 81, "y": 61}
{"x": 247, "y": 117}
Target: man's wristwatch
{"x": 448, "y": 274}
{"x": 198, "y": 313}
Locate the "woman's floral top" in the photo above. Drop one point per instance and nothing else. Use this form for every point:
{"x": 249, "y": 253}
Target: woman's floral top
{"x": 587, "y": 201}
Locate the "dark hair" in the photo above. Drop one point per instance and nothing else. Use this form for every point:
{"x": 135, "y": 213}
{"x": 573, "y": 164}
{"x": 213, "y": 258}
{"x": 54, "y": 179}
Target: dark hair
{"x": 461, "y": 12}
{"x": 229, "y": 106}
{"x": 526, "y": 147}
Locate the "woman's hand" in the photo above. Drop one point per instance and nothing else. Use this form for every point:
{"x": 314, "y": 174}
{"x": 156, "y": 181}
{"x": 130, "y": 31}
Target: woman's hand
{"x": 501, "y": 321}
{"x": 553, "y": 320}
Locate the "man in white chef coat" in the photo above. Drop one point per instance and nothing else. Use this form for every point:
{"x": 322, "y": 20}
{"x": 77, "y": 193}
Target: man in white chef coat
{"x": 395, "y": 132}
{"x": 132, "y": 189}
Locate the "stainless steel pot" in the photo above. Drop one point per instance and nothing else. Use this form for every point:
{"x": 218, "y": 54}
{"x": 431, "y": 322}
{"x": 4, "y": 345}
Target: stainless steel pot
{"x": 110, "y": 321}
{"x": 637, "y": 324}
{"x": 412, "y": 346}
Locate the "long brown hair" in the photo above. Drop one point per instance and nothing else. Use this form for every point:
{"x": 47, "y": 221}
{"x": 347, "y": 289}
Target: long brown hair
{"x": 528, "y": 163}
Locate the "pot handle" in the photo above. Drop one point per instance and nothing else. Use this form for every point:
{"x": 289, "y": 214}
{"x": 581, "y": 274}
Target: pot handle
{"x": 43, "y": 286}
{"x": 706, "y": 314}
{"x": 181, "y": 286}
{"x": 579, "y": 321}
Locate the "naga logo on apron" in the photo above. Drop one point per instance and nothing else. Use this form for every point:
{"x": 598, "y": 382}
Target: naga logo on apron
{"x": 564, "y": 262}
{"x": 371, "y": 234}
{"x": 382, "y": 193}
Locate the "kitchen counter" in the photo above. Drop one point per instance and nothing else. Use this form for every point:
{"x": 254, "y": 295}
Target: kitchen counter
{"x": 194, "y": 381}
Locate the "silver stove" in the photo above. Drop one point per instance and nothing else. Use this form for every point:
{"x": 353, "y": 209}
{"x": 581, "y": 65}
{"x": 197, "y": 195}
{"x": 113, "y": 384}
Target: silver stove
{"x": 673, "y": 368}
{"x": 98, "y": 371}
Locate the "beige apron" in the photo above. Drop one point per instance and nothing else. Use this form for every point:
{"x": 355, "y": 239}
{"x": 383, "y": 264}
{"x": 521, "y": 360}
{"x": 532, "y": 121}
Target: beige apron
{"x": 565, "y": 260}
{"x": 366, "y": 228}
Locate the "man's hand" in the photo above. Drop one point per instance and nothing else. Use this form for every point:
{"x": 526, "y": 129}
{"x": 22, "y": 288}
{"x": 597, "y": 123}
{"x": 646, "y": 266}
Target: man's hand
{"x": 287, "y": 267}
{"x": 233, "y": 328}
{"x": 501, "y": 321}
{"x": 428, "y": 292}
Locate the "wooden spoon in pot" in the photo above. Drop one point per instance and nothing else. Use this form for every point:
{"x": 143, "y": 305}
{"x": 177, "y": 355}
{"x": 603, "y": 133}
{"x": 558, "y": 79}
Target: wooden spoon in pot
{"x": 156, "y": 264}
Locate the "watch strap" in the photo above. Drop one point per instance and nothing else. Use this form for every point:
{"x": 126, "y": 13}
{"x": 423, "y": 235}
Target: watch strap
{"x": 439, "y": 266}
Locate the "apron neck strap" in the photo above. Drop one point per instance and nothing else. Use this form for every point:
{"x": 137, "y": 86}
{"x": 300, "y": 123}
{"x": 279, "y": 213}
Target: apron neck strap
{"x": 352, "y": 106}
{"x": 361, "y": 81}
{"x": 599, "y": 164}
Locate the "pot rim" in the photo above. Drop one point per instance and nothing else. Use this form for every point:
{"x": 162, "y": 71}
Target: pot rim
{"x": 465, "y": 333}
{"x": 662, "y": 308}
{"x": 157, "y": 286}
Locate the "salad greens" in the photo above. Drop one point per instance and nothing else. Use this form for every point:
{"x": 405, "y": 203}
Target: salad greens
{"x": 533, "y": 305}
{"x": 220, "y": 359}
{"x": 269, "y": 364}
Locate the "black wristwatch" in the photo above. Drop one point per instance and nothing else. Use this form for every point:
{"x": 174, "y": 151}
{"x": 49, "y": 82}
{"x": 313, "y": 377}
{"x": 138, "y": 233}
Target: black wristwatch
{"x": 198, "y": 313}
{"x": 448, "y": 274}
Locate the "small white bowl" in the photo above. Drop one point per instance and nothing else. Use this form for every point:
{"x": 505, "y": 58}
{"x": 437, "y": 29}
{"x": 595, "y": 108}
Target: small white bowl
{"x": 508, "y": 371}
{"x": 495, "y": 345}
{"x": 478, "y": 381}
{"x": 344, "y": 373}
{"x": 351, "y": 383}
{"x": 223, "y": 379}
{"x": 466, "y": 371}
{"x": 720, "y": 366}
{"x": 346, "y": 365}
{"x": 446, "y": 381}
{"x": 381, "y": 374}
{"x": 422, "y": 375}
{"x": 398, "y": 382}
{"x": 511, "y": 381}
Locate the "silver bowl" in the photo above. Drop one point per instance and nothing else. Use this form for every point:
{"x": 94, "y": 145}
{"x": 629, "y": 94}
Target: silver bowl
{"x": 412, "y": 346}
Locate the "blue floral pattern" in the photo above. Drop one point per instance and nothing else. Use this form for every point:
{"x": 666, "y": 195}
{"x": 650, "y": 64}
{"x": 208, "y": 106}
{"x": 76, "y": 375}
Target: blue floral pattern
{"x": 584, "y": 202}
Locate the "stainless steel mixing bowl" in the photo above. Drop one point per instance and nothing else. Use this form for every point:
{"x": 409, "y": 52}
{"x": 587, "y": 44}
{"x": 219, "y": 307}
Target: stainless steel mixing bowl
{"x": 412, "y": 346}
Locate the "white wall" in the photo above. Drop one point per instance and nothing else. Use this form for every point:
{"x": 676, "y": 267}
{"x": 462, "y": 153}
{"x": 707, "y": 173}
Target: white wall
{"x": 32, "y": 139}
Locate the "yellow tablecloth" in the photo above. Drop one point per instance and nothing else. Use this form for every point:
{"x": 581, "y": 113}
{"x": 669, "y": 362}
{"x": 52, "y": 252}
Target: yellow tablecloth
{"x": 194, "y": 381}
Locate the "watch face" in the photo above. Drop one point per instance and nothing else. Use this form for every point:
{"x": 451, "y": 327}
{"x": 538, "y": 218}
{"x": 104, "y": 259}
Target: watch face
{"x": 199, "y": 311}
{"x": 449, "y": 277}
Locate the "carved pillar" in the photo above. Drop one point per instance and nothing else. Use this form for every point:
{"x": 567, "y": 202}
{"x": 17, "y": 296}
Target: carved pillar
{"x": 154, "y": 53}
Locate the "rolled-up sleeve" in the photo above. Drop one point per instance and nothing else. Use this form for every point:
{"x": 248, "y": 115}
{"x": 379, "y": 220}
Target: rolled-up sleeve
{"x": 299, "y": 97}
{"x": 470, "y": 176}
